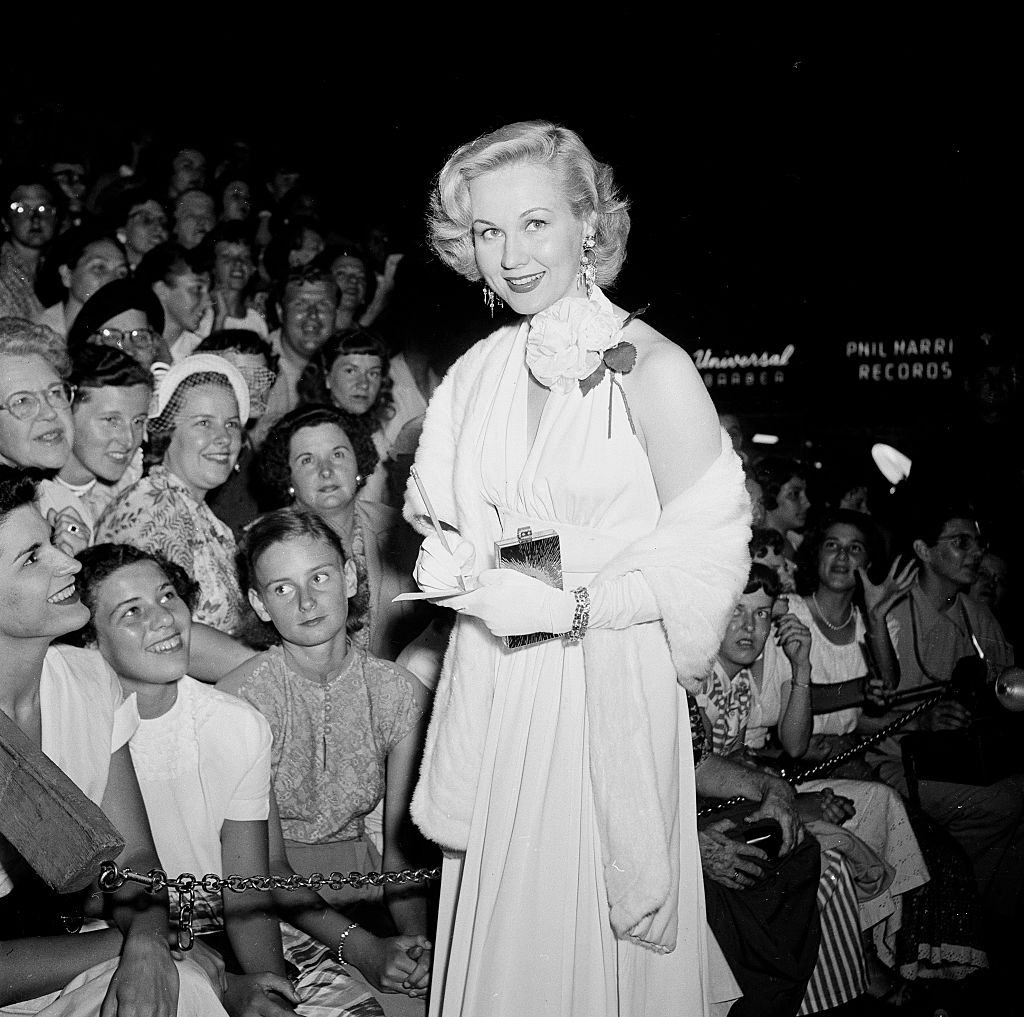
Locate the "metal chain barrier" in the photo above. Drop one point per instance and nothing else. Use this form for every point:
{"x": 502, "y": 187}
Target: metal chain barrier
{"x": 827, "y": 765}
{"x": 113, "y": 877}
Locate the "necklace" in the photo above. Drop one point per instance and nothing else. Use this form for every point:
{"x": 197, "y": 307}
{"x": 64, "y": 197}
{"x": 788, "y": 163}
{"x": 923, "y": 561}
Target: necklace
{"x": 825, "y": 621}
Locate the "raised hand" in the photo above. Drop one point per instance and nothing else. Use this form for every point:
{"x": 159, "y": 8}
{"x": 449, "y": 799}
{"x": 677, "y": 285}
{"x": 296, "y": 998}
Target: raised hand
{"x": 70, "y": 533}
{"x": 880, "y": 598}
{"x": 795, "y": 639}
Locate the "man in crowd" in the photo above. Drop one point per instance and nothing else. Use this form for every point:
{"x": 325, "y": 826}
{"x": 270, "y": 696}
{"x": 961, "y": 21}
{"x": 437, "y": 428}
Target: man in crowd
{"x": 307, "y": 310}
{"x": 194, "y": 217}
{"x": 180, "y": 278}
{"x": 30, "y": 221}
{"x": 936, "y": 626}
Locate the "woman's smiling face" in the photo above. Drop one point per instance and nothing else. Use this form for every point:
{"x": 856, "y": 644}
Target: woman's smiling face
{"x": 142, "y": 625}
{"x": 527, "y": 241}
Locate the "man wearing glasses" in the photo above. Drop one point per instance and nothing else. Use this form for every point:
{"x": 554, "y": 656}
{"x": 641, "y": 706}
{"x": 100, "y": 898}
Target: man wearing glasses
{"x": 30, "y": 220}
{"x": 936, "y": 625}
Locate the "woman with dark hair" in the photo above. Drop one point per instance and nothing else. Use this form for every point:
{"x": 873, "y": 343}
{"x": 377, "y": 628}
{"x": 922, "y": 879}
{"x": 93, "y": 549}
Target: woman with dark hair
{"x": 347, "y": 734}
{"x": 356, "y": 282}
{"x": 124, "y": 314}
{"x": 312, "y": 460}
{"x": 195, "y": 435}
{"x": 784, "y": 487}
{"x": 83, "y": 260}
{"x": 351, "y": 371}
{"x": 295, "y": 244}
{"x": 203, "y": 760}
{"x": 850, "y": 627}
{"x": 234, "y": 193}
{"x": 67, "y": 703}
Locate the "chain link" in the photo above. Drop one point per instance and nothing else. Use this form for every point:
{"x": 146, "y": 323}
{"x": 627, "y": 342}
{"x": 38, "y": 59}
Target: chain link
{"x": 798, "y": 776}
{"x": 113, "y": 877}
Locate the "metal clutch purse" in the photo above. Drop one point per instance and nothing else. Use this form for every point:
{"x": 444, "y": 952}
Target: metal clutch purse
{"x": 534, "y": 554}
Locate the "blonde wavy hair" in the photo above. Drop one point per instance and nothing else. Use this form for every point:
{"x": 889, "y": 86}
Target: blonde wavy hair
{"x": 589, "y": 188}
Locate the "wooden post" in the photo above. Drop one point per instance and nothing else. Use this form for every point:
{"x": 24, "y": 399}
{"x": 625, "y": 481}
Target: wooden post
{"x": 59, "y": 832}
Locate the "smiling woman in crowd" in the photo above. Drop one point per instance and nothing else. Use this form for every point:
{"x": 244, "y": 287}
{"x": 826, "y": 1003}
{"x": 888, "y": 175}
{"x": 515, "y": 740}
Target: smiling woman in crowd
{"x": 127, "y": 315}
{"x": 86, "y": 259}
{"x": 195, "y": 434}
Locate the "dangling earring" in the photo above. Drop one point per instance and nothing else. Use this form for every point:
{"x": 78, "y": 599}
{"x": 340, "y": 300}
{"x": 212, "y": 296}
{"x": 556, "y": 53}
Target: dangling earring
{"x": 491, "y": 300}
{"x": 587, "y": 273}
{"x": 359, "y": 480}
{"x": 291, "y": 492}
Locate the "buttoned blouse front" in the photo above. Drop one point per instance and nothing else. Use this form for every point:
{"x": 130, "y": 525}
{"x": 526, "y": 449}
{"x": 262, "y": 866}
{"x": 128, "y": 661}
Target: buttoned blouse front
{"x": 331, "y": 738}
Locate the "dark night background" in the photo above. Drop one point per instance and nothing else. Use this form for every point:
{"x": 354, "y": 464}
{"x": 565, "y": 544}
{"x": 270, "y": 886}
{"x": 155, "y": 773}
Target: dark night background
{"x": 789, "y": 185}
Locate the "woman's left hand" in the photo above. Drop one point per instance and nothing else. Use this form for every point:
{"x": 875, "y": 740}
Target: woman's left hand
{"x": 145, "y": 983}
{"x": 780, "y": 805}
{"x": 70, "y": 533}
{"x": 510, "y": 603}
{"x": 879, "y": 599}
{"x": 835, "y": 808}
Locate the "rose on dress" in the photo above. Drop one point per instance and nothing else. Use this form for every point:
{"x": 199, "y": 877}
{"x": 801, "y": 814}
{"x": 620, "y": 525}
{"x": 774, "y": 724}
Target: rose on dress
{"x": 567, "y": 340}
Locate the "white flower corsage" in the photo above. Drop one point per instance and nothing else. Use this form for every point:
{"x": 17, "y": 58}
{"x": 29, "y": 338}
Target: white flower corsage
{"x": 575, "y": 341}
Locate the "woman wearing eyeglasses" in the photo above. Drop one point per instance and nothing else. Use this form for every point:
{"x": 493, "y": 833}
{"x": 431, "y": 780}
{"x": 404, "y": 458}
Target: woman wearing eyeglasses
{"x": 126, "y": 315}
{"x": 36, "y": 428}
{"x": 29, "y": 222}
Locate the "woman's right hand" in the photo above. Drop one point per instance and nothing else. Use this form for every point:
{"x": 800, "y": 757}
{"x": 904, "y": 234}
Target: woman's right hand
{"x": 727, "y": 861}
{"x": 388, "y": 963}
{"x": 440, "y": 571}
{"x": 145, "y": 983}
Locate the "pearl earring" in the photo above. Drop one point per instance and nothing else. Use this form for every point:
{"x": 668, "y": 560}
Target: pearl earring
{"x": 291, "y": 492}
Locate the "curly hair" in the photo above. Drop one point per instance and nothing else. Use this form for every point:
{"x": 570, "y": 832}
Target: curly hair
{"x": 807, "y": 556}
{"x": 274, "y": 467}
{"x": 763, "y": 578}
{"x": 589, "y": 188}
{"x": 352, "y": 341}
{"x": 101, "y": 561}
{"x": 773, "y": 473}
{"x": 20, "y": 338}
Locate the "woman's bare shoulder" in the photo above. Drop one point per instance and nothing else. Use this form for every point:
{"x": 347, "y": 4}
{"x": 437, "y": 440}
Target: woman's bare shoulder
{"x": 663, "y": 366}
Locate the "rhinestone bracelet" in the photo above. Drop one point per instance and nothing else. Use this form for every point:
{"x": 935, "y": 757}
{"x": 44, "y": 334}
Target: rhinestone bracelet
{"x": 581, "y": 616}
{"x": 341, "y": 942}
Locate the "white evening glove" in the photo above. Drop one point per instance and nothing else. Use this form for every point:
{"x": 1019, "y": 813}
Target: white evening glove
{"x": 512, "y": 604}
{"x": 437, "y": 570}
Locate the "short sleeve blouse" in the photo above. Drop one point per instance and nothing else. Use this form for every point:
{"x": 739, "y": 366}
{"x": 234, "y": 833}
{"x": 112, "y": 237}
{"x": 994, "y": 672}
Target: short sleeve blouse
{"x": 85, "y": 719}
{"x": 331, "y": 738}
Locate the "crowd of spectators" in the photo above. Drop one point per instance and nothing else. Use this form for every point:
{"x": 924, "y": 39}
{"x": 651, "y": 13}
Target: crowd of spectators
{"x": 212, "y": 394}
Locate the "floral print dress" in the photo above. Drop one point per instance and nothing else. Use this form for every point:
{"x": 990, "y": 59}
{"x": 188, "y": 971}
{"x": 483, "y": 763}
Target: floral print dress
{"x": 159, "y": 513}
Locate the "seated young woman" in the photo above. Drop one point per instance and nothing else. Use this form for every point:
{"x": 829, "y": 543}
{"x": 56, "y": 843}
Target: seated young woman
{"x": 348, "y": 732}
{"x": 779, "y": 684}
{"x": 69, "y": 704}
{"x": 203, "y": 763}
